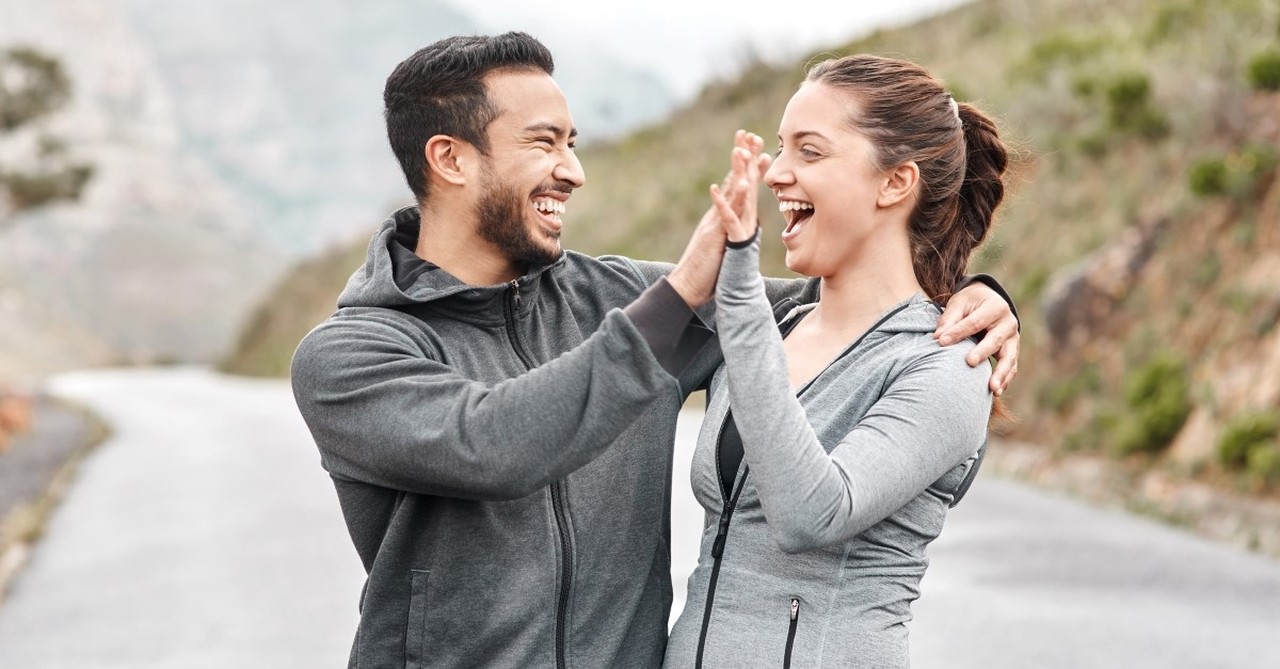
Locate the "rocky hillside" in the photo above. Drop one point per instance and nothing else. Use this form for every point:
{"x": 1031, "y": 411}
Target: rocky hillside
{"x": 1141, "y": 237}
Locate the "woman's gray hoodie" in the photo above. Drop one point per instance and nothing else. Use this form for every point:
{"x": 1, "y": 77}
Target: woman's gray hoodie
{"x": 814, "y": 559}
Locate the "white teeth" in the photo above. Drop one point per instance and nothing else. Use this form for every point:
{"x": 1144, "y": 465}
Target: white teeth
{"x": 792, "y": 205}
{"x": 549, "y": 206}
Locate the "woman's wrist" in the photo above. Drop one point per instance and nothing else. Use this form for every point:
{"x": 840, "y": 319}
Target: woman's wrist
{"x": 744, "y": 243}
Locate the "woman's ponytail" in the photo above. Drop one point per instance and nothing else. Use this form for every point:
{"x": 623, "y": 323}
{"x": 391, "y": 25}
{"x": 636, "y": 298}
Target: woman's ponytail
{"x": 983, "y": 187}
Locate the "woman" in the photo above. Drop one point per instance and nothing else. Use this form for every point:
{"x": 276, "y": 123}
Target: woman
{"x": 832, "y": 449}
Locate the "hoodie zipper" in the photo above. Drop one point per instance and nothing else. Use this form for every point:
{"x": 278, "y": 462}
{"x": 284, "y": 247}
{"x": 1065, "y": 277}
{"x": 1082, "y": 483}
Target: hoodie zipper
{"x": 557, "y": 494}
{"x": 717, "y": 552}
{"x": 791, "y": 632}
{"x": 722, "y": 532}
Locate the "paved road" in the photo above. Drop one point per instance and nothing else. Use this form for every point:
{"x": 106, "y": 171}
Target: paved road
{"x": 204, "y": 535}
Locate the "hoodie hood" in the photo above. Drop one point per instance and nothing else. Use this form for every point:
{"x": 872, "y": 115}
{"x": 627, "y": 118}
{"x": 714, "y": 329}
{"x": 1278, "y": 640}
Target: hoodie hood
{"x": 916, "y": 314}
{"x": 393, "y": 275}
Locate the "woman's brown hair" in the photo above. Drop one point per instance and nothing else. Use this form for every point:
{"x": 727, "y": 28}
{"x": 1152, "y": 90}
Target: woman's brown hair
{"x": 909, "y": 116}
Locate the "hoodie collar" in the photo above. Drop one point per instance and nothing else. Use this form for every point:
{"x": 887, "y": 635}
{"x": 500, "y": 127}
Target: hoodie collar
{"x": 394, "y": 276}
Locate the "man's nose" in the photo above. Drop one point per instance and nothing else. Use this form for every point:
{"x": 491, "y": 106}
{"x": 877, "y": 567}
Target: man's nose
{"x": 570, "y": 170}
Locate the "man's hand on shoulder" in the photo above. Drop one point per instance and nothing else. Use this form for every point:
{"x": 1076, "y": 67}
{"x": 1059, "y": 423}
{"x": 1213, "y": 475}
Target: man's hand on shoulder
{"x": 977, "y": 309}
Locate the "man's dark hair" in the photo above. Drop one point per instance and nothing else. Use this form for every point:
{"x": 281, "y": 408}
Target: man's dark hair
{"x": 440, "y": 91}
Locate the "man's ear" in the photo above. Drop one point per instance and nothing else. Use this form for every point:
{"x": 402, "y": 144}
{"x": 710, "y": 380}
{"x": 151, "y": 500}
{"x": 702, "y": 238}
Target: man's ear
{"x": 899, "y": 184}
{"x": 447, "y": 159}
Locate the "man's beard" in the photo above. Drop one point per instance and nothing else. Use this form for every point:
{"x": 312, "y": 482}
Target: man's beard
{"x": 501, "y": 211}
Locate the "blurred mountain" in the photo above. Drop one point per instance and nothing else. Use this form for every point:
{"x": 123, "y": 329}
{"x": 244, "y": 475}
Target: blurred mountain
{"x": 151, "y": 259}
{"x": 204, "y": 145}
{"x": 1140, "y": 235}
{"x": 283, "y": 100}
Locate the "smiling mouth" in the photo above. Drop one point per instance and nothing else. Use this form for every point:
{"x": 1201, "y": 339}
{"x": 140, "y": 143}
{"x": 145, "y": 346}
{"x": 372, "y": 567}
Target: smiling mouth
{"x": 796, "y": 214}
{"x": 550, "y": 209}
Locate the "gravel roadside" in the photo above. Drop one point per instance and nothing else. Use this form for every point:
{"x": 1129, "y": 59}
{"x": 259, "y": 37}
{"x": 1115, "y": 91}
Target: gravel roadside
{"x": 35, "y": 472}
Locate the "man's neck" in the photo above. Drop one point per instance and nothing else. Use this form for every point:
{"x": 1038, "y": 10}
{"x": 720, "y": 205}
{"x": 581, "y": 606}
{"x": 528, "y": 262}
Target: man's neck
{"x": 448, "y": 240}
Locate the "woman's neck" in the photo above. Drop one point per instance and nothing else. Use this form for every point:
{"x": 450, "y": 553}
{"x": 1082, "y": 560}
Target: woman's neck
{"x": 862, "y": 290}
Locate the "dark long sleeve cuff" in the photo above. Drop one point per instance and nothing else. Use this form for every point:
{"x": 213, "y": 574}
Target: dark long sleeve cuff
{"x": 674, "y": 333}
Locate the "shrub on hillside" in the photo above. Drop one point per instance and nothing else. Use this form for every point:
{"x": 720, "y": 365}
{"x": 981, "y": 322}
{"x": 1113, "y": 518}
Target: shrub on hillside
{"x": 1245, "y": 433}
{"x": 1237, "y": 173}
{"x": 1264, "y": 70}
{"x": 1129, "y": 107}
{"x": 1264, "y": 463}
{"x": 1208, "y": 177}
{"x": 1159, "y": 398}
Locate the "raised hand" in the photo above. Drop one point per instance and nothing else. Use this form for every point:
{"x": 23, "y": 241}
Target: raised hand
{"x": 735, "y": 202}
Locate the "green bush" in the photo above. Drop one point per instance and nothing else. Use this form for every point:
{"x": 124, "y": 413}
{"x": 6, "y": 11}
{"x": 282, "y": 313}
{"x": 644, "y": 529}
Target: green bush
{"x": 1159, "y": 398}
{"x": 1264, "y": 463}
{"x": 1237, "y": 173}
{"x": 1129, "y": 107}
{"x": 1245, "y": 433}
{"x": 1264, "y": 70}
{"x": 1094, "y": 145}
{"x": 1208, "y": 177}
{"x": 1084, "y": 86}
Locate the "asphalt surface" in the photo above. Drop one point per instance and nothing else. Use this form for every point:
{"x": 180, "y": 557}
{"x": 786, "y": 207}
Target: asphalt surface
{"x": 204, "y": 534}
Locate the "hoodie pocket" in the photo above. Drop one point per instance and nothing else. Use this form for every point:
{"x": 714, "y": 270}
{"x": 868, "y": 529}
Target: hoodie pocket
{"x": 791, "y": 632}
{"x": 415, "y": 633}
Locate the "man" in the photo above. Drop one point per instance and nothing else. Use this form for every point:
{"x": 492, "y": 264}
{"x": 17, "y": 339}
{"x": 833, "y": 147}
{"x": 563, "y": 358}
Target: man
{"x": 498, "y": 430}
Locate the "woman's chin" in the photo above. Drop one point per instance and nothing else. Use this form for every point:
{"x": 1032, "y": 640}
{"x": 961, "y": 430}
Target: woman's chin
{"x": 796, "y": 265}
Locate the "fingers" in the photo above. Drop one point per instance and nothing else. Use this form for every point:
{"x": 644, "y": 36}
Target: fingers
{"x": 763, "y": 161}
{"x": 734, "y": 201}
{"x": 1006, "y": 367}
{"x": 733, "y": 226}
{"x": 989, "y": 345}
{"x": 1002, "y": 341}
{"x": 968, "y": 325}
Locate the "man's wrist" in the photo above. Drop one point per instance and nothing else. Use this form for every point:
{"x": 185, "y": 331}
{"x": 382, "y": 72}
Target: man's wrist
{"x": 691, "y": 297}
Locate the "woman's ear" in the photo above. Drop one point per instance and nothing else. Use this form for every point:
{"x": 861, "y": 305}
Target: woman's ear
{"x": 899, "y": 185}
{"x": 446, "y": 159}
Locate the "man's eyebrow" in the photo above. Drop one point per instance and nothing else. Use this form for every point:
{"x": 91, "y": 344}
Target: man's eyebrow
{"x": 552, "y": 128}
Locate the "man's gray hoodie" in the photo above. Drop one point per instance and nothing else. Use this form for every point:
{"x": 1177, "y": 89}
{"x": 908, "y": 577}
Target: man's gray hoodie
{"x": 505, "y": 517}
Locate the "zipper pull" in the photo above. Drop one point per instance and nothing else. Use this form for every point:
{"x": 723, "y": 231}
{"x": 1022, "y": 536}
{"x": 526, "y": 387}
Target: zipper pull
{"x": 795, "y": 608}
{"x": 515, "y": 291}
{"x": 722, "y": 533}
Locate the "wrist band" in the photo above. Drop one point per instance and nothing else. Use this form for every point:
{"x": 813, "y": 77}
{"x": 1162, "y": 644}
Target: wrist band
{"x": 746, "y": 242}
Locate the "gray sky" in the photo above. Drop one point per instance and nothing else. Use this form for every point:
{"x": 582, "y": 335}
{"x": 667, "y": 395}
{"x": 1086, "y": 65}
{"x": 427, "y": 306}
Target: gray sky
{"x": 687, "y": 41}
